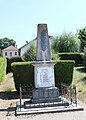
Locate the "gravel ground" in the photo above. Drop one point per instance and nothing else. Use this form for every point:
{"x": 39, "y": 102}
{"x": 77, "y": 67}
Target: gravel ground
{"x": 80, "y": 115}
{"x": 8, "y": 101}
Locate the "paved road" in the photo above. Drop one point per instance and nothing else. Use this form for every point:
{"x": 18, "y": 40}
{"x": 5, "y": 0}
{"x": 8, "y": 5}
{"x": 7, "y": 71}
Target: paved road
{"x": 80, "y": 115}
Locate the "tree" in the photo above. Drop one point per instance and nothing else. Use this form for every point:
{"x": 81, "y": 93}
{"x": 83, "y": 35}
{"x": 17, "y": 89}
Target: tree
{"x": 0, "y": 53}
{"x": 30, "y": 54}
{"x": 84, "y": 57}
{"x": 82, "y": 37}
{"x": 67, "y": 42}
{"x": 54, "y": 44}
{"x": 5, "y": 42}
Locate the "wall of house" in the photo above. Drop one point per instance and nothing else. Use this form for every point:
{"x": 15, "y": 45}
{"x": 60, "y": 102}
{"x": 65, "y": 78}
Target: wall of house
{"x": 10, "y": 53}
{"x": 24, "y": 49}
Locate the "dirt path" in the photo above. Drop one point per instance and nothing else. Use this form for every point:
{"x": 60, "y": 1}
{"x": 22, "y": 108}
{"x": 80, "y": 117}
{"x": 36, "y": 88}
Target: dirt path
{"x": 8, "y": 101}
{"x": 8, "y": 82}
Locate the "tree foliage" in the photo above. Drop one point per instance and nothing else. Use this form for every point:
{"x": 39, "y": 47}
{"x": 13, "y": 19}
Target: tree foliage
{"x": 67, "y": 42}
{"x": 0, "y": 53}
{"x": 30, "y": 54}
{"x": 82, "y": 37}
{"x": 84, "y": 57}
{"x": 54, "y": 44}
{"x": 5, "y": 42}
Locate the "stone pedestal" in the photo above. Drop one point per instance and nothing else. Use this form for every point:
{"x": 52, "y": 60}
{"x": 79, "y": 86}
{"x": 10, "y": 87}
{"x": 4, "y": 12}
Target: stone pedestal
{"x": 48, "y": 94}
{"x": 44, "y": 74}
{"x": 45, "y": 90}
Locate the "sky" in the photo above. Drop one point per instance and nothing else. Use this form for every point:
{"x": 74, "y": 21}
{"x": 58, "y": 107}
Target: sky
{"x": 19, "y": 18}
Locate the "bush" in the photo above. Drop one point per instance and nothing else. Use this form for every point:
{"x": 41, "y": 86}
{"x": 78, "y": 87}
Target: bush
{"x": 67, "y": 42}
{"x": 77, "y": 57}
{"x": 10, "y": 60}
{"x": 1, "y": 53}
{"x": 64, "y": 72}
{"x": 85, "y": 57}
{"x": 54, "y": 44}
{"x": 2, "y": 68}
{"x": 54, "y": 57}
{"x": 30, "y": 54}
{"x": 23, "y": 73}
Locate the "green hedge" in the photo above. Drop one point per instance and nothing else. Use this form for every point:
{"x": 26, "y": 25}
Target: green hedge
{"x": 10, "y": 60}
{"x": 77, "y": 57}
{"x": 23, "y": 73}
{"x": 64, "y": 72}
{"x": 2, "y": 68}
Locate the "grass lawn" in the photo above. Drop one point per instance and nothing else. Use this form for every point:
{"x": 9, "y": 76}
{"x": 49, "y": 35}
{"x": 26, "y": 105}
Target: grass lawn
{"x": 79, "y": 79}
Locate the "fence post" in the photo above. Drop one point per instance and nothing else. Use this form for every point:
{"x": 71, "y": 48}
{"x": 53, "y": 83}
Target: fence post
{"x": 20, "y": 96}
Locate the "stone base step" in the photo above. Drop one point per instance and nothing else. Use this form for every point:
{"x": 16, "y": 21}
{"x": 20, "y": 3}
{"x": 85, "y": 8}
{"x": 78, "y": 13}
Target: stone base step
{"x": 27, "y": 104}
{"x": 23, "y": 111}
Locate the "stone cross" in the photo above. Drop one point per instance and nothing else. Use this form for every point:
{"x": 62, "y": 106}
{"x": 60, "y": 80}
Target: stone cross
{"x": 43, "y": 46}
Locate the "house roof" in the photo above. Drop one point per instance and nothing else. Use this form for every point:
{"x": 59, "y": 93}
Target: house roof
{"x": 27, "y": 44}
{"x": 31, "y": 42}
{"x": 10, "y": 48}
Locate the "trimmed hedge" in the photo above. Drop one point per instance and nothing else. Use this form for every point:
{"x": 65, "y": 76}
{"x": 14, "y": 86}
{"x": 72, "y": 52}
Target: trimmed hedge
{"x": 64, "y": 72}
{"x": 2, "y": 68}
{"x": 10, "y": 60}
{"x": 77, "y": 57}
{"x": 23, "y": 73}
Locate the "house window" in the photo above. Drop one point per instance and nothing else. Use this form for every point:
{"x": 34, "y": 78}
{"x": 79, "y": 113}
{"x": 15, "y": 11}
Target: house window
{"x": 5, "y": 53}
{"x": 10, "y": 53}
{"x": 15, "y": 53}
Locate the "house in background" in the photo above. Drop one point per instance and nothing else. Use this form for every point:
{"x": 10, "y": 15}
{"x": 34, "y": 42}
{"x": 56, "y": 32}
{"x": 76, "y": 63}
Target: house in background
{"x": 10, "y": 51}
{"x": 26, "y": 47}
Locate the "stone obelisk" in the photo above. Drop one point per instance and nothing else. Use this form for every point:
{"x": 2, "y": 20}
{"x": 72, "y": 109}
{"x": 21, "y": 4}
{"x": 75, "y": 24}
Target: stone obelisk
{"x": 44, "y": 69}
{"x": 43, "y": 46}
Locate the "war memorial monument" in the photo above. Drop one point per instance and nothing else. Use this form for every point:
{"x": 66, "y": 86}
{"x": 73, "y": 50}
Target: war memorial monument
{"x": 45, "y": 95}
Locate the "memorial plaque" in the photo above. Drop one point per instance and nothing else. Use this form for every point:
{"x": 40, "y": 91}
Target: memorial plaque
{"x": 44, "y": 77}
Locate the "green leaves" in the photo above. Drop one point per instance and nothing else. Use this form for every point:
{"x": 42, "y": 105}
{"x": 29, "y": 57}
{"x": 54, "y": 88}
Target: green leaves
{"x": 30, "y": 54}
{"x": 82, "y": 37}
{"x": 67, "y": 42}
{"x": 5, "y": 42}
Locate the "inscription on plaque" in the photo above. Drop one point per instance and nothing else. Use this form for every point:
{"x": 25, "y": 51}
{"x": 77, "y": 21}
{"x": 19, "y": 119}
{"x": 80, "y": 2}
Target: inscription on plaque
{"x": 45, "y": 77}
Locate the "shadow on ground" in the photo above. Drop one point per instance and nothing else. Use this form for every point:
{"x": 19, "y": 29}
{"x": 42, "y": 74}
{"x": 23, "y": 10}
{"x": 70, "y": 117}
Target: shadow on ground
{"x": 81, "y": 69}
{"x": 9, "y": 95}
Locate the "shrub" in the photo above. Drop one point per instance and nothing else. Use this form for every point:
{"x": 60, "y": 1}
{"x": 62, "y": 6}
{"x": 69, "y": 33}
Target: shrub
{"x": 82, "y": 37}
{"x": 54, "y": 57}
{"x": 10, "y": 60}
{"x": 64, "y": 72}
{"x": 1, "y": 53}
{"x": 85, "y": 57}
{"x": 77, "y": 57}
{"x": 30, "y": 54}
{"x": 67, "y": 42}
{"x": 54, "y": 44}
{"x": 23, "y": 73}
{"x": 2, "y": 68}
